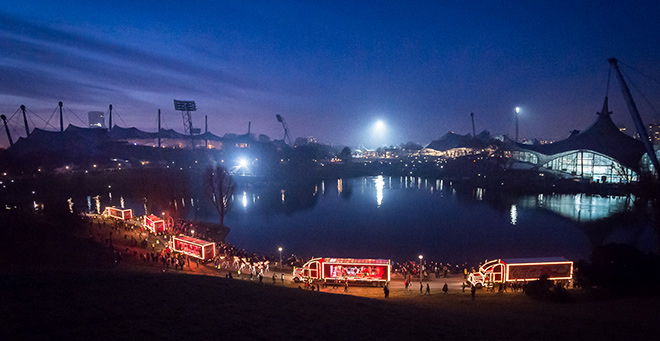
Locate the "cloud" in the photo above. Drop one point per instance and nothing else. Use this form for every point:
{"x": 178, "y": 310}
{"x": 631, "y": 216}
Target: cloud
{"x": 41, "y": 55}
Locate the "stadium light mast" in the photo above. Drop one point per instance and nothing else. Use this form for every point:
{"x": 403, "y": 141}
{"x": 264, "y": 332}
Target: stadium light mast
{"x": 517, "y": 112}
{"x": 185, "y": 107}
{"x": 159, "y": 132}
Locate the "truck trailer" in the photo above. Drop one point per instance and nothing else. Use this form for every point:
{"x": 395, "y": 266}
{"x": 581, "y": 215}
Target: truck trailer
{"x": 196, "y": 248}
{"x": 521, "y": 270}
{"x": 339, "y": 270}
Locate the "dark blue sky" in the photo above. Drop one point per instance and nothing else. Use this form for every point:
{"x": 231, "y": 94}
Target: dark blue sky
{"x": 332, "y": 69}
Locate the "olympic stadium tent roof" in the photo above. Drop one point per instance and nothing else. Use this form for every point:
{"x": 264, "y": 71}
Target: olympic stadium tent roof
{"x": 451, "y": 140}
{"x": 603, "y": 137}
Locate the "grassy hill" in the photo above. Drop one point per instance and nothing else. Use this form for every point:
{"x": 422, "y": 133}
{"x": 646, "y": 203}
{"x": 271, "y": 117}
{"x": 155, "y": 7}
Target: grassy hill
{"x": 115, "y": 304}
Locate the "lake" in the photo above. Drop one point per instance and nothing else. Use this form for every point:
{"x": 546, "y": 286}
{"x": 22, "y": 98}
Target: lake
{"x": 402, "y": 217}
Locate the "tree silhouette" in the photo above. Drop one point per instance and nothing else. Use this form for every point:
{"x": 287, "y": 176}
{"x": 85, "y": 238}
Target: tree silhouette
{"x": 219, "y": 186}
{"x": 345, "y": 155}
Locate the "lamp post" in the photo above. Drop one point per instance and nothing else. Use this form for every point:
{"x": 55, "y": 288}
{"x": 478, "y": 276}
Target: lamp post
{"x": 280, "y": 250}
{"x": 517, "y": 112}
{"x": 420, "y": 268}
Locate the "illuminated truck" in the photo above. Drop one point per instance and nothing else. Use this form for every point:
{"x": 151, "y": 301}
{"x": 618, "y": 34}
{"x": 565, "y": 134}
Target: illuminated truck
{"x": 118, "y": 213}
{"x": 338, "y": 270}
{"x": 197, "y": 248}
{"x": 521, "y": 270}
{"x": 154, "y": 224}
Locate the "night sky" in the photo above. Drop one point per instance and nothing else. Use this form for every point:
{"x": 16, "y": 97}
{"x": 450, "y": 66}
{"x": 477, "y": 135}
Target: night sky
{"x": 331, "y": 69}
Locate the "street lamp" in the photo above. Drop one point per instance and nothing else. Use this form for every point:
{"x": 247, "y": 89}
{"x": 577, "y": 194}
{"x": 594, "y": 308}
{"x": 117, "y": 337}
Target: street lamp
{"x": 420, "y": 268}
{"x": 280, "y": 250}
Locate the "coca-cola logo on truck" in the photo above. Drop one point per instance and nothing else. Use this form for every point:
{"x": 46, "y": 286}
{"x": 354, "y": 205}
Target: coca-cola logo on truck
{"x": 535, "y": 271}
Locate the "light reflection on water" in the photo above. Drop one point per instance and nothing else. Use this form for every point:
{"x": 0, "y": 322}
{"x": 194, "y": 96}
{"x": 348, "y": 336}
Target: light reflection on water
{"x": 580, "y": 207}
{"x": 399, "y": 217}
{"x": 514, "y": 214}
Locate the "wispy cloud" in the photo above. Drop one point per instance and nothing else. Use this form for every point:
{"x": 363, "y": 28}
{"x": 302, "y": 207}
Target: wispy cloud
{"x": 42, "y": 62}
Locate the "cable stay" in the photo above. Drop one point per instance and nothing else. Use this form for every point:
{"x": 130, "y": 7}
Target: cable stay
{"x": 122, "y": 119}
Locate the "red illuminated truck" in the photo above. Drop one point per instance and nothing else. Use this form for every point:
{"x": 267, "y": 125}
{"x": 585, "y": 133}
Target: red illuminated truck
{"x": 522, "y": 269}
{"x": 190, "y": 246}
{"x": 118, "y": 213}
{"x": 154, "y": 224}
{"x": 335, "y": 270}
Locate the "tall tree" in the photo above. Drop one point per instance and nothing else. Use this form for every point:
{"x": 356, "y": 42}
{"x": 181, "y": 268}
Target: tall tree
{"x": 220, "y": 187}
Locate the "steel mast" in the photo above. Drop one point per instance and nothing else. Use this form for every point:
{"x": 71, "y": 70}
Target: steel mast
{"x": 641, "y": 130}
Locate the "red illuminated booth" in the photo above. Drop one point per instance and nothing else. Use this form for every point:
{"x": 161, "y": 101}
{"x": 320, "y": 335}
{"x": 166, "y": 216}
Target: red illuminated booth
{"x": 118, "y": 213}
{"x": 154, "y": 224}
{"x": 190, "y": 246}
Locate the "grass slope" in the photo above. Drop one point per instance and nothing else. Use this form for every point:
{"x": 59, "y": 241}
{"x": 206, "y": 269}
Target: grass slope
{"x": 126, "y": 305}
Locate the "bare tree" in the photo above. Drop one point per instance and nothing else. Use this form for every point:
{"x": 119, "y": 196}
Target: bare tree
{"x": 220, "y": 187}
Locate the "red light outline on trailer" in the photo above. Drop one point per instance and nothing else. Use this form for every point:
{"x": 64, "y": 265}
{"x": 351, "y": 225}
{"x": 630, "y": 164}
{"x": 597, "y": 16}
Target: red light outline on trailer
{"x": 202, "y": 244}
{"x": 346, "y": 262}
{"x": 109, "y": 209}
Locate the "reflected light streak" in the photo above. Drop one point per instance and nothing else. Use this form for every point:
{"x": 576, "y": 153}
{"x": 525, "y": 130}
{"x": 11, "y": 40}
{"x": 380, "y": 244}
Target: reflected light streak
{"x": 97, "y": 200}
{"x": 340, "y": 186}
{"x": 380, "y": 183}
{"x": 245, "y": 201}
{"x": 282, "y": 192}
{"x": 514, "y": 214}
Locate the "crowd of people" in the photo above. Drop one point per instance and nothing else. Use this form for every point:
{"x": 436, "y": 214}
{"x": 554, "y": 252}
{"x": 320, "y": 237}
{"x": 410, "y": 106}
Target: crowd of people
{"x": 438, "y": 269}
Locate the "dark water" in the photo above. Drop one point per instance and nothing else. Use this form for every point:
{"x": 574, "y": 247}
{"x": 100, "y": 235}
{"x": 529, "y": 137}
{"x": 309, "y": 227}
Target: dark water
{"x": 400, "y": 218}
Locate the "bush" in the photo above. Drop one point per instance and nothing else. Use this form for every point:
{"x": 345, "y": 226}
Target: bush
{"x": 621, "y": 269}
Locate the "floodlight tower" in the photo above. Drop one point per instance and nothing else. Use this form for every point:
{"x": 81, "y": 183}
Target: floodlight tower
{"x": 517, "y": 113}
{"x": 286, "y": 137}
{"x": 185, "y": 107}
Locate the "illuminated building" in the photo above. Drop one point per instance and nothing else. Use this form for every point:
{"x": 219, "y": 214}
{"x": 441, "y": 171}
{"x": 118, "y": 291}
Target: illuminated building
{"x": 453, "y": 145}
{"x": 601, "y": 153}
{"x": 654, "y": 133}
{"x": 96, "y": 119}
